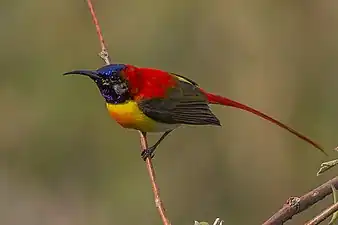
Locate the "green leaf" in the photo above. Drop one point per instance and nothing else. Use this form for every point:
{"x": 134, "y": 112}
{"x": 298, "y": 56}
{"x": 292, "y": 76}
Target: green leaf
{"x": 201, "y": 223}
{"x": 204, "y": 223}
{"x": 217, "y": 222}
{"x": 326, "y": 166}
{"x": 334, "y": 215}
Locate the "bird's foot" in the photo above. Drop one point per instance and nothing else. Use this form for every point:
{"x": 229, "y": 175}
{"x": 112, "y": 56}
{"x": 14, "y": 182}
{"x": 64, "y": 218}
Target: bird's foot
{"x": 149, "y": 152}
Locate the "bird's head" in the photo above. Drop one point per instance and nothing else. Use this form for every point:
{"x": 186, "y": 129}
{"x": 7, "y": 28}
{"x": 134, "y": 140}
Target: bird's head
{"x": 110, "y": 81}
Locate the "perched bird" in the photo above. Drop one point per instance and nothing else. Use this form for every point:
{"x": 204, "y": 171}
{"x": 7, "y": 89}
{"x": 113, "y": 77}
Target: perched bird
{"x": 152, "y": 100}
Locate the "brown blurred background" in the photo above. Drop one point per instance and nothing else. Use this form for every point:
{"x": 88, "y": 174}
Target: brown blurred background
{"x": 65, "y": 162}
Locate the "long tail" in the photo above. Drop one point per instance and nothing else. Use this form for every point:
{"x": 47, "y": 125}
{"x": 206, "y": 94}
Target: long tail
{"x": 216, "y": 99}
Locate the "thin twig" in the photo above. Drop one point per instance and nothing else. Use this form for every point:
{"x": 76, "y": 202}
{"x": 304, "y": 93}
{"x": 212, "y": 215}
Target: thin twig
{"x": 323, "y": 215}
{"x": 156, "y": 190}
{"x": 143, "y": 138}
{"x": 297, "y": 205}
{"x": 104, "y": 52}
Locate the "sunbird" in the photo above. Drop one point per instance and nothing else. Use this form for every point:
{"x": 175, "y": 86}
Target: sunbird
{"x": 152, "y": 100}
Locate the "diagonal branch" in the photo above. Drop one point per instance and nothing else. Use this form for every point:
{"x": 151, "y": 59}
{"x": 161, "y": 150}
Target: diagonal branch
{"x": 296, "y": 205}
{"x": 323, "y": 215}
{"x": 143, "y": 138}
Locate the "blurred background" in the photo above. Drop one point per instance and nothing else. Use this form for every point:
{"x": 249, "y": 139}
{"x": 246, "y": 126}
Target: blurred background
{"x": 65, "y": 162}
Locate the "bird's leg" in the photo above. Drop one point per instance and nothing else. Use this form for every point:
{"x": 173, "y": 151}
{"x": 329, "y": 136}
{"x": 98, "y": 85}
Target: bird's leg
{"x": 149, "y": 152}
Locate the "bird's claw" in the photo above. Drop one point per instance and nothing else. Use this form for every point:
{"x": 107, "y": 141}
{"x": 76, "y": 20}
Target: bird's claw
{"x": 149, "y": 152}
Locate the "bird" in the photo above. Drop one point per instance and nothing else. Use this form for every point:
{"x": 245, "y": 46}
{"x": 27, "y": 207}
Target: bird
{"x": 152, "y": 100}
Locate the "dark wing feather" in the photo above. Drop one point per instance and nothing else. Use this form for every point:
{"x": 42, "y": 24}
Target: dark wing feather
{"x": 183, "y": 104}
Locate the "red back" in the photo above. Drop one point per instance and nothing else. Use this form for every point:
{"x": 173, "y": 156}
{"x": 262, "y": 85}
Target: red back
{"x": 147, "y": 82}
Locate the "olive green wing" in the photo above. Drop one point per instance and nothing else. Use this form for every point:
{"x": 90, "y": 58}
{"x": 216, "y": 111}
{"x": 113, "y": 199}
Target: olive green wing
{"x": 183, "y": 104}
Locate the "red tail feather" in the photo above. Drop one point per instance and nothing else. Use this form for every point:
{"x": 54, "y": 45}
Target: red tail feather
{"x": 216, "y": 99}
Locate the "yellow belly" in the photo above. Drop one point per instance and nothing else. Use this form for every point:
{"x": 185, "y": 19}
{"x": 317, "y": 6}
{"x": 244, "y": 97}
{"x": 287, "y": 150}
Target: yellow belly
{"x": 128, "y": 115}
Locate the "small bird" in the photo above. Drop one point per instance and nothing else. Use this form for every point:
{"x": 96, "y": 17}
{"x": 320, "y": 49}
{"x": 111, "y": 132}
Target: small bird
{"x": 152, "y": 100}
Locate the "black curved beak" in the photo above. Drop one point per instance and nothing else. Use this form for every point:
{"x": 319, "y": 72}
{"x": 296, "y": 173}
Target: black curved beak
{"x": 89, "y": 73}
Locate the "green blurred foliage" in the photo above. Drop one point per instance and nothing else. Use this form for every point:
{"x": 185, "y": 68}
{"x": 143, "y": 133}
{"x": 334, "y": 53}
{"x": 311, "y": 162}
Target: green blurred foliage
{"x": 64, "y": 161}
